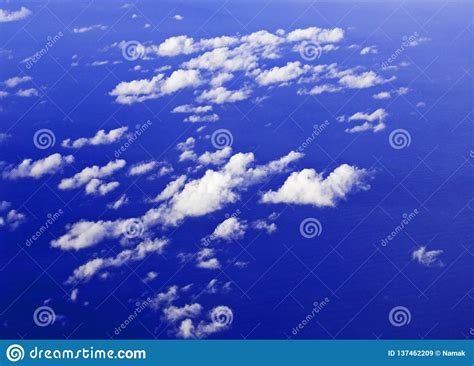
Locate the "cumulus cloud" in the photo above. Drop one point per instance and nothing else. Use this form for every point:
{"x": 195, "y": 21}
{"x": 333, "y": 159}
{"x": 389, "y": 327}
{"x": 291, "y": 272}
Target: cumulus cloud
{"x": 222, "y": 95}
{"x": 187, "y": 108}
{"x": 291, "y": 71}
{"x": 86, "y": 271}
{"x": 37, "y": 169}
{"x": 87, "y": 174}
{"x": 316, "y": 34}
{"x": 374, "y": 121}
{"x": 215, "y": 158}
{"x": 369, "y": 50}
{"x": 98, "y": 187}
{"x": 100, "y": 138}
{"x": 307, "y": 187}
{"x": 17, "y": 80}
{"x": 205, "y": 259}
{"x": 14, "y": 15}
{"x": 202, "y": 118}
{"x": 143, "y": 168}
{"x": 270, "y": 228}
{"x": 178, "y": 17}
{"x": 230, "y": 229}
{"x": 220, "y": 319}
{"x": 195, "y": 198}
{"x": 89, "y": 28}
{"x": 26, "y": 93}
{"x": 361, "y": 81}
{"x": 428, "y": 258}
{"x": 156, "y": 87}
{"x": 174, "y": 313}
{"x": 122, "y": 200}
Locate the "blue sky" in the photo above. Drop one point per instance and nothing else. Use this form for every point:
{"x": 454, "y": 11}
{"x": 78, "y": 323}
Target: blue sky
{"x": 236, "y": 170}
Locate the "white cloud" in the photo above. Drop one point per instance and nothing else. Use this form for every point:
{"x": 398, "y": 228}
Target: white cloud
{"x": 87, "y": 174}
{"x": 26, "y": 93}
{"x": 187, "y": 108}
{"x": 15, "y": 219}
{"x": 230, "y": 229}
{"x": 89, "y": 28}
{"x": 215, "y": 158}
{"x": 12, "y": 16}
{"x": 317, "y": 35}
{"x": 74, "y": 294}
{"x": 123, "y": 200}
{"x": 220, "y": 79}
{"x": 98, "y": 187}
{"x": 427, "y": 257}
{"x": 369, "y": 50}
{"x": 379, "y": 116}
{"x": 202, "y": 118}
{"x": 174, "y": 313}
{"x": 165, "y": 298}
{"x": 178, "y": 17}
{"x": 220, "y": 319}
{"x": 382, "y": 95}
{"x": 36, "y": 169}
{"x": 310, "y": 188}
{"x": 141, "y": 90}
{"x": 291, "y": 71}
{"x": 86, "y": 271}
{"x": 222, "y": 95}
{"x": 197, "y": 197}
{"x": 100, "y": 138}
{"x": 240, "y": 58}
{"x": 142, "y": 168}
{"x": 14, "y": 81}
{"x": 364, "y": 80}
{"x": 205, "y": 259}
{"x": 171, "y": 188}
{"x": 270, "y": 228}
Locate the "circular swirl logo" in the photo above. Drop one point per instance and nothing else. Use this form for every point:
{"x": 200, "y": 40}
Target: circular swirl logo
{"x": 222, "y": 315}
{"x": 133, "y": 228}
{"x": 44, "y": 139}
{"x": 399, "y": 139}
{"x": 399, "y": 316}
{"x": 133, "y": 50}
{"x": 44, "y": 316}
{"x": 311, "y": 227}
{"x": 222, "y": 138}
{"x": 310, "y": 51}
{"x": 15, "y": 353}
